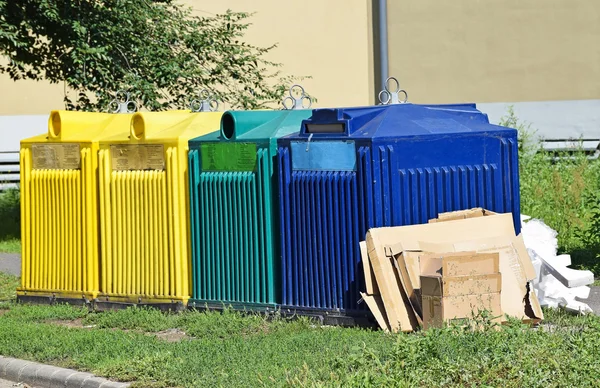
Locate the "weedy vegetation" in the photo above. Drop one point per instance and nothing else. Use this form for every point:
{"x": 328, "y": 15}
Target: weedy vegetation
{"x": 235, "y": 349}
{"x": 563, "y": 190}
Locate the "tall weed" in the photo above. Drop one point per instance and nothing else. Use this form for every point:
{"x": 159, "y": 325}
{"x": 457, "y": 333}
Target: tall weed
{"x": 564, "y": 192}
{"x": 10, "y": 214}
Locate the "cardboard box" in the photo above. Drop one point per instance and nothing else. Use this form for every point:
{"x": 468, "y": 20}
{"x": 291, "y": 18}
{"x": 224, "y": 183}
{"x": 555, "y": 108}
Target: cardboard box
{"x": 395, "y": 255}
{"x": 515, "y": 267}
{"x": 459, "y": 263}
{"x": 459, "y": 285}
{"x": 437, "y": 309}
{"x": 436, "y": 285}
{"x": 463, "y": 214}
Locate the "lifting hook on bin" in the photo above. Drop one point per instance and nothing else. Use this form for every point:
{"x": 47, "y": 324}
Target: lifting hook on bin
{"x": 308, "y": 142}
{"x": 122, "y": 103}
{"x": 296, "y": 102}
{"x": 204, "y": 103}
{"x": 388, "y": 96}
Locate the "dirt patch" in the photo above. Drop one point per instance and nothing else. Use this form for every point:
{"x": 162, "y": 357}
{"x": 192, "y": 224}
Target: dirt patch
{"x": 76, "y": 323}
{"x": 171, "y": 335}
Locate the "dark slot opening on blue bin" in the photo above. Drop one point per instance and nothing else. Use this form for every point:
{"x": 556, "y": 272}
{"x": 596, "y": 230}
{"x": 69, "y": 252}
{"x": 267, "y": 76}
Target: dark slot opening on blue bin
{"x": 326, "y": 128}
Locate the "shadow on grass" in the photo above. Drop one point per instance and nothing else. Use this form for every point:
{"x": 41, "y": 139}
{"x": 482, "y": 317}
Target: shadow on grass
{"x": 586, "y": 258}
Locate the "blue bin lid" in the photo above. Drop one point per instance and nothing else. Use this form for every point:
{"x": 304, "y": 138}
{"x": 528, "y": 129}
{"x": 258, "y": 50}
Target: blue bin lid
{"x": 394, "y": 121}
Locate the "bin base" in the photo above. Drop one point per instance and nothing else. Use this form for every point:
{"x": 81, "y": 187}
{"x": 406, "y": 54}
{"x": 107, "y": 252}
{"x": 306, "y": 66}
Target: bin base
{"x": 212, "y": 305}
{"x": 332, "y": 317}
{"x": 51, "y": 298}
{"x": 118, "y": 302}
{"x": 325, "y": 317}
{"x": 108, "y": 306}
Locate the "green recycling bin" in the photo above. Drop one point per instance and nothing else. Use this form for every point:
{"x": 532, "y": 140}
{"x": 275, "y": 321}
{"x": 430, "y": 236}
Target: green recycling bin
{"x": 236, "y": 258}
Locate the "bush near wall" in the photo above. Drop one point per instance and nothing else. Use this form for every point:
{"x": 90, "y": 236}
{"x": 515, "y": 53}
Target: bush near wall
{"x": 564, "y": 193}
{"x": 10, "y": 214}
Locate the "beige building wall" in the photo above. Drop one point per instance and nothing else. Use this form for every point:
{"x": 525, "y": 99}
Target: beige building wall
{"x": 328, "y": 40}
{"x": 451, "y": 51}
{"x": 495, "y": 50}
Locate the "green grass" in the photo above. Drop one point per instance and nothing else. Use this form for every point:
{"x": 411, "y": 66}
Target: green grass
{"x": 564, "y": 194}
{"x": 10, "y": 214}
{"x": 10, "y": 218}
{"x": 231, "y": 349}
{"x": 10, "y": 245}
{"x": 8, "y": 287}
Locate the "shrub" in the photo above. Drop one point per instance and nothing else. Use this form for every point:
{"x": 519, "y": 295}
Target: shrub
{"x": 563, "y": 192}
{"x": 10, "y": 214}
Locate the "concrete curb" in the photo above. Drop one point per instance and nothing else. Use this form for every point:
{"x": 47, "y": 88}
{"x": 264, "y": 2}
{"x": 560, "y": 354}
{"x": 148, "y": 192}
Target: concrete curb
{"x": 47, "y": 376}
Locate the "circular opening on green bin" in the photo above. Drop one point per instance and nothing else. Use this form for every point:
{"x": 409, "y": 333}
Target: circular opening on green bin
{"x": 137, "y": 126}
{"x": 54, "y": 124}
{"x": 227, "y": 126}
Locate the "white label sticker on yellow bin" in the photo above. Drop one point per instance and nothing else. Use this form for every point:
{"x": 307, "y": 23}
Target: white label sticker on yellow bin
{"x": 137, "y": 157}
{"x": 58, "y": 156}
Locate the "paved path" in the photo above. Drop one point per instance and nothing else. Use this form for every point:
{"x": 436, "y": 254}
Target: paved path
{"x": 48, "y": 376}
{"x": 10, "y": 263}
{"x": 10, "y": 384}
{"x": 594, "y": 300}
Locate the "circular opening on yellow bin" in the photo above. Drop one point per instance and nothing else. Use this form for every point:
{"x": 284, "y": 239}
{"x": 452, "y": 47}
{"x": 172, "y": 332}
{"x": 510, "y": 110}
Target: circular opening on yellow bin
{"x": 137, "y": 126}
{"x": 228, "y": 126}
{"x": 55, "y": 124}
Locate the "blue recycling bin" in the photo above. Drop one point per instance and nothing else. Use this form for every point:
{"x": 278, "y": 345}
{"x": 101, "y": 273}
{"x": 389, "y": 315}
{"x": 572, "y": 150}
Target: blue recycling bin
{"x": 351, "y": 169}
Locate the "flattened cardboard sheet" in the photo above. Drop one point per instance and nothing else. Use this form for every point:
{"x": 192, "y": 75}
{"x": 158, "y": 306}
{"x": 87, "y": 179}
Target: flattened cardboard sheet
{"x": 407, "y": 265}
{"x": 370, "y": 283}
{"x": 397, "y": 307}
{"x": 462, "y": 214}
{"x": 401, "y": 238}
{"x": 375, "y": 304}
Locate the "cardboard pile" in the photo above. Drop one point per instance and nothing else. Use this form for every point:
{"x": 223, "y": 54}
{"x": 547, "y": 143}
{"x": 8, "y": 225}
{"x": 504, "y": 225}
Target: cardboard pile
{"x": 401, "y": 265}
{"x": 454, "y": 286}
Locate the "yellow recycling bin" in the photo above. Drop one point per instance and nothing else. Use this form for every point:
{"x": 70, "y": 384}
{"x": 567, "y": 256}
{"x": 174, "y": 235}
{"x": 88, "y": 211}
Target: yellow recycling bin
{"x": 144, "y": 211}
{"x": 59, "y": 209}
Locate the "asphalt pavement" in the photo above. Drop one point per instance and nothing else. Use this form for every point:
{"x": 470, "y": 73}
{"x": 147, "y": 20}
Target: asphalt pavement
{"x": 10, "y": 263}
{"x": 10, "y": 384}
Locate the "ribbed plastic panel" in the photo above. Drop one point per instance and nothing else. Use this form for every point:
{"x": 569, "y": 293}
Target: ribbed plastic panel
{"x": 414, "y": 196}
{"x": 320, "y": 235}
{"x": 232, "y": 244}
{"x": 325, "y": 214}
{"x": 142, "y": 234}
{"x": 59, "y": 229}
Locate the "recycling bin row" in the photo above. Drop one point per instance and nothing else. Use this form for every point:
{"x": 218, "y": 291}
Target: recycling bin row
{"x": 256, "y": 209}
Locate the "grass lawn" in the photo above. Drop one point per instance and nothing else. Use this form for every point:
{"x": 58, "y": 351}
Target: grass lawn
{"x": 564, "y": 193}
{"x": 213, "y": 349}
{"x": 10, "y": 245}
